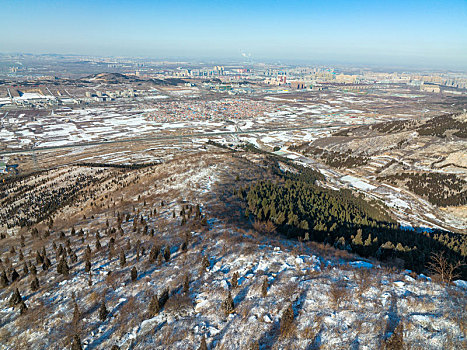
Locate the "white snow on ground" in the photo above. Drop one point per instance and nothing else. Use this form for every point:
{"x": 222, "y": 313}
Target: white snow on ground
{"x": 373, "y": 300}
{"x": 357, "y": 183}
{"x": 461, "y": 284}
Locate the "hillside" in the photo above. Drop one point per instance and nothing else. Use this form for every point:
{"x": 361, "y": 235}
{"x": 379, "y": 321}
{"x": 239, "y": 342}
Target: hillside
{"x": 165, "y": 257}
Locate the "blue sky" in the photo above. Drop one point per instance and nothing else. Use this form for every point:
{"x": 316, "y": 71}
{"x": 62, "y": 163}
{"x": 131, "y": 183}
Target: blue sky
{"x": 427, "y": 33}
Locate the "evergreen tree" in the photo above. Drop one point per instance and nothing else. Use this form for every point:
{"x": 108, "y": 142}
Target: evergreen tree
{"x": 186, "y": 284}
{"x": 154, "y": 254}
{"x": 14, "y": 275}
{"x": 205, "y": 262}
{"x": 396, "y": 341}
{"x": 25, "y": 269}
{"x": 63, "y": 268}
{"x": 4, "y": 282}
{"x": 134, "y": 274}
{"x": 163, "y": 298}
{"x": 254, "y": 345}
{"x": 234, "y": 281}
{"x": 22, "y": 308}
{"x": 87, "y": 253}
{"x": 264, "y": 287}
{"x": 76, "y": 343}
{"x": 15, "y": 298}
{"x": 103, "y": 312}
{"x": 167, "y": 253}
{"x": 203, "y": 345}
{"x": 98, "y": 244}
{"x": 122, "y": 258}
{"x": 286, "y": 320}
{"x": 228, "y": 305}
{"x": 35, "y": 284}
{"x": 76, "y": 314}
{"x": 87, "y": 266}
{"x": 46, "y": 264}
{"x": 154, "y": 306}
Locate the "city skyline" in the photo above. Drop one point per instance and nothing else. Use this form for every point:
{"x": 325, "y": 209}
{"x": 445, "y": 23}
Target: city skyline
{"x": 428, "y": 33}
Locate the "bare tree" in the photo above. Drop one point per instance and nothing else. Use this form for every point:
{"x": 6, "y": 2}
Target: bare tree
{"x": 442, "y": 270}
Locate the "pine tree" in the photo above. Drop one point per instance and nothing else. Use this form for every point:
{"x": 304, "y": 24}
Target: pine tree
{"x": 14, "y": 275}
{"x": 87, "y": 253}
{"x": 228, "y": 305}
{"x": 22, "y": 308}
{"x": 35, "y": 284}
{"x": 205, "y": 262}
{"x": 186, "y": 284}
{"x": 63, "y": 268}
{"x": 122, "y": 258}
{"x": 167, "y": 253}
{"x": 87, "y": 266}
{"x": 46, "y": 264}
{"x": 203, "y": 345}
{"x": 164, "y": 297}
{"x": 25, "y": 269}
{"x": 15, "y": 298}
{"x": 76, "y": 343}
{"x": 264, "y": 287}
{"x": 76, "y": 313}
{"x": 234, "y": 281}
{"x": 358, "y": 240}
{"x": 4, "y": 282}
{"x": 98, "y": 244}
{"x": 396, "y": 341}
{"x": 33, "y": 270}
{"x": 154, "y": 306}
{"x": 154, "y": 253}
{"x": 254, "y": 345}
{"x": 103, "y": 312}
{"x": 287, "y": 320}
{"x": 134, "y": 274}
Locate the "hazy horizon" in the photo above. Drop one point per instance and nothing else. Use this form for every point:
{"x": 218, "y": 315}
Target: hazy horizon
{"x": 426, "y": 34}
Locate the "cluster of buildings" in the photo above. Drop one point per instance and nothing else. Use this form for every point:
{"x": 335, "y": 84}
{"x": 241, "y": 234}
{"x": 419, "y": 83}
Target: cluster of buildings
{"x": 225, "y": 109}
{"x": 99, "y": 96}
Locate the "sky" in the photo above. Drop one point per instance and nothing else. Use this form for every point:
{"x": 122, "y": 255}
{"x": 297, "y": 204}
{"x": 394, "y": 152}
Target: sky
{"x": 404, "y": 32}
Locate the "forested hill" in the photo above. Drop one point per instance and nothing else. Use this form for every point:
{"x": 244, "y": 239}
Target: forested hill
{"x": 301, "y": 209}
